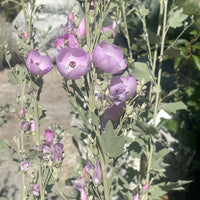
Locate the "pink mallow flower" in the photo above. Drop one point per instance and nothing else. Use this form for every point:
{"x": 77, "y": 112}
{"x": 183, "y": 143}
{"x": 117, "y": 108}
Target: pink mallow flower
{"x": 38, "y": 64}
{"x": 109, "y": 58}
{"x": 80, "y": 185}
{"x": 73, "y": 62}
{"x": 36, "y": 189}
{"x": 81, "y": 31}
{"x": 24, "y": 165}
{"x": 49, "y": 136}
{"x": 121, "y": 88}
{"x": 67, "y": 40}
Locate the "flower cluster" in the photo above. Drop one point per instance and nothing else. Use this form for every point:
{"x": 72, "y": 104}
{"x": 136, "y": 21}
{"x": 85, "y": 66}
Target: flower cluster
{"x": 50, "y": 151}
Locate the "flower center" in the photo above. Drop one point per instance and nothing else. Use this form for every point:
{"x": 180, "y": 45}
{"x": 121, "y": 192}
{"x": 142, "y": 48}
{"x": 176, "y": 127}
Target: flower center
{"x": 72, "y": 64}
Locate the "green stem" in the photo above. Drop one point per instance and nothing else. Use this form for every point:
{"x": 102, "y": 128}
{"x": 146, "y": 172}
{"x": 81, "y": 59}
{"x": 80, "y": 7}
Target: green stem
{"x": 158, "y": 88}
{"x": 87, "y": 20}
{"x": 160, "y": 62}
{"x": 104, "y": 166}
{"x": 156, "y": 49}
{"x": 126, "y": 29}
{"x": 36, "y": 119}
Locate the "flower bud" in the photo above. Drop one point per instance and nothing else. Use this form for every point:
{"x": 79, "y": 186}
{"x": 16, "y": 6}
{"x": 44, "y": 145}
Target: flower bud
{"x": 71, "y": 16}
{"x": 97, "y": 176}
{"x": 49, "y": 136}
{"x": 36, "y": 189}
{"x": 25, "y": 34}
{"x": 22, "y": 112}
{"x": 33, "y": 125}
{"x": 82, "y": 28}
{"x": 146, "y": 187}
{"x": 137, "y": 197}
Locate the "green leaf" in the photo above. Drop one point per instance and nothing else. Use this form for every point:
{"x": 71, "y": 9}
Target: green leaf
{"x": 171, "y": 94}
{"x": 112, "y": 145}
{"x": 95, "y": 118}
{"x": 176, "y": 17}
{"x": 107, "y": 37}
{"x": 156, "y": 192}
{"x": 173, "y": 52}
{"x": 13, "y": 78}
{"x": 143, "y": 11}
{"x": 196, "y": 45}
{"x": 174, "y": 185}
{"x": 146, "y": 128}
{"x": 142, "y": 71}
{"x": 173, "y": 107}
{"x": 196, "y": 60}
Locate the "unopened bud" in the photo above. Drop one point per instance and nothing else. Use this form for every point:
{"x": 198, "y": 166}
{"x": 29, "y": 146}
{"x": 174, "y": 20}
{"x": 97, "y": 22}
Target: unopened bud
{"x": 146, "y": 187}
{"x": 143, "y": 106}
{"x": 139, "y": 88}
{"x": 129, "y": 110}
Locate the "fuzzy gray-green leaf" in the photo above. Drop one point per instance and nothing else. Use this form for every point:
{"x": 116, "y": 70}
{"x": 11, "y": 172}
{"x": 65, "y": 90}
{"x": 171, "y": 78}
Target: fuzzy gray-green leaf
{"x": 112, "y": 145}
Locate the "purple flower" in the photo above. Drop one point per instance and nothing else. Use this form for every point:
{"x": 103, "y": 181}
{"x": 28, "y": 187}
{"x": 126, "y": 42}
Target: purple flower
{"x": 38, "y": 64}
{"x": 49, "y": 136}
{"x": 25, "y": 126}
{"x": 46, "y": 153}
{"x": 73, "y": 62}
{"x": 122, "y": 88}
{"x": 97, "y": 176}
{"x": 24, "y": 165}
{"x": 67, "y": 28}
{"x": 112, "y": 113}
{"x": 80, "y": 185}
{"x": 36, "y": 189}
{"x": 46, "y": 149}
{"x": 137, "y": 197}
{"x": 57, "y": 152}
{"x": 68, "y": 40}
{"x": 109, "y": 58}
{"x": 81, "y": 31}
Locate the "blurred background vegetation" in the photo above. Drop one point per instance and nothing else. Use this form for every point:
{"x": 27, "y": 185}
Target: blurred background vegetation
{"x": 185, "y": 75}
